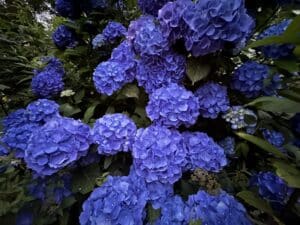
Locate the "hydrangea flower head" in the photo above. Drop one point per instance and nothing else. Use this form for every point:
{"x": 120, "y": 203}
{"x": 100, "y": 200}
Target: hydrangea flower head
{"x": 64, "y": 37}
{"x": 271, "y": 187}
{"x": 147, "y": 37}
{"x": 114, "y": 133}
{"x": 119, "y": 200}
{"x": 98, "y": 41}
{"x": 15, "y": 119}
{"x": 158, "y": 154}
{"x": 219, "y": 209}
{"x": 274, "y": 138}
{"x": 249, "y": 78}
{"x": 57, "y": 144}
{"x": 3, "y": 149}
{"x": 68, "y": 8}
{"x": 173, "y": 106}
{"x": 151, "y": 6}
{"x": 110, "y": 76}
{"x": 113, "y": 31}
{"x": 276, "y": 51}
{"x": 156, "y": 72}
{"x": 42, "y": 110}
{"x": 228, "y": 144}
{"x": 203, "y": 152}
{"x": 213, "y": 100}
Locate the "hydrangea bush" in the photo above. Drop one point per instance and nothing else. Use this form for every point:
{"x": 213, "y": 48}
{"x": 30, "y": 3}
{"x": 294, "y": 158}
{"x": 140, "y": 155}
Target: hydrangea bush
{"x": 156, "y": 113}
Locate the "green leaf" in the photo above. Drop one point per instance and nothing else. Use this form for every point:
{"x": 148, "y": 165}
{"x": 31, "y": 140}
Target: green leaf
{"x": 69, "y": 110}
{"x": 107, "y": 162}
{"x": 196, "y": 70}
{"x": 289, "y": 65}
{"x": 195, "y": 222}
{"x": 130, "y": 91}
{"x": 255, "y": 201}
{"x": 264, "y": 145}
{"x": 152, "y": 214}
{"x": 287, "y": 172}
{"x": 274, "y": 104}
{"x": 89, "y": 113}
{"x": 3, "y": 87}
{"x": 294, "y": 150}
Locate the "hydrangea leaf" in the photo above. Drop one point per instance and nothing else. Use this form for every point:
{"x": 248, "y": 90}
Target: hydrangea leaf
{"x": 287, "y": 172}
{"x": 89, "y": 113}
{"x": 69, "y": 110}
{"x": 289, "y": 65}
{"x": 195, "y": 222}
{"x": 196, "y": 70}
{"x": 152, "y": 214}
{"x": 131, "y": 91}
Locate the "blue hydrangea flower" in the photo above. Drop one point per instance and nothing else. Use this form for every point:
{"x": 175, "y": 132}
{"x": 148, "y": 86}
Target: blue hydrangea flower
{"x": 15, "y": 119}
{"x": 173, "y": 212}
{"x": 114, "y": 133}
{"x": 57, "y": 144}
{"x": 3, "y": 149}
{"x": 272, "y": 188}
{"x": 203, "y": 152}
{"x": 49, "y": 81}
{"x": 64, "y": 37}
{"x": 228, "y": 144}
{"x": 24, "y": 217}
{"x": 173, "y": 106}
{"x": 147, "y": 37}
{"x": 151, "y": 6}
{"x": 277, "y": 51}
{"x": 118, "y": 201}
{"x": 98, "y": 4}
{"x": 110, "y": 76}
{"x": 156, "y": 72}
{"x": 42, "y": 110}
{"x": 98, "y": 41}
{"x": 274, "y": 138}
{"x": 68, "y": 8}
{"x": 240, "y": 117}
{"x": 213, "y": 100}
{"x": 219, "y": 209}
{"x": 249, "y": 78}
{"x": 37, "y": 189}
{"x": 64, "y": 190}
{"x": 113, "y": 31}
{"x": 158, "y": 154}
{"x": 295, "y": 122}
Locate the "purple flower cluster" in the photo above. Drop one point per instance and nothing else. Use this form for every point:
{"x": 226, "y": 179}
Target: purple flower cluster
{"x": 48, "y": 82}
{"x": 3, "y": 150}
{"x": 228, "y": 144}
{"x": 151, "y": 6}
{"x": 113, "y": 133}
{"x": 203, "y": 152}
{"x": 271, "y": 187}
{"x": 249, "y": 78}
{"x": 120, "y": 200}
{"x": 57, "y": 144}
{"x": 64, "y": 37}
{"x": 42, "y": 110}
{"x": 158, "y": 154}
{"x": 68, "y": 8}
{"x": 173, "y": 106}
{"x": 206, "y": 25}
{"x": 213, "y": 100}
{"x": 156, "y": 72}
{"x": 219, "y": 209}
{"x": 277, "y": 51}
{"x": 274, "y": 138}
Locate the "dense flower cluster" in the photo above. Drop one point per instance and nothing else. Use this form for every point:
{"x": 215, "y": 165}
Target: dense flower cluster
{"x": 228, "y": 144}
{"x": 276, "y": 51}
{"x": 15, "y": 119}
{"x": 158, "y": 154}
{"x": 173, "y": 106}
{"x": 205, "y": 32}
{"x": 57, "y": 144}
{"x": 173, "y": 212}
{"x": 151, "y": 6}
{"x": 3, "y": 149}
{"x": 156, "y": 72}
{"x": 272, "y": 188}
{"x": 64, "y": 37}
{"x": 48, "y": 82}
{"x": 68, "y": 8}
{"x": 118, "y": 201}
{"x": 220, "y": 209}
{"x": 213, "y": 100}
{"x": 274, "y": 137}
{"x": 113, "y": 133}
{"x": 147, "y": 37}
{"x": 42, "y": 110}
{"x": 249, "y": 78}
{"x": 203, "y": 152}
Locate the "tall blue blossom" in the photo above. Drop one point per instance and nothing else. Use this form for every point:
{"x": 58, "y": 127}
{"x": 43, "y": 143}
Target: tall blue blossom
{"x": 249, "y": 78}
{"x": 64, "y": 37}
{"x": 173, "y": 106}
{"x": 272, "y": 188}
{"x": 228, "y": 144}
{"x": 147, "y": 37}
{"x": 48, "y": 82}
{"x": 276, "y": 51}
{"x": 203, "y": 152}
{"x": 118, "y": 201}
{"x": 42, "y": 110}
{"x": 57, "y": 144}
{"x": 114, "y": 133}
{"x": 213, "y": 100}
{"x": 173, "y": 212}
{"x": 68, "y": 8}
{"x": 151, "y": 6}
{"x": 219, "y": 209}
{"x": 158, "y": 154}
{"x": 274, "y": 137}
{"x": 156, "y": 72}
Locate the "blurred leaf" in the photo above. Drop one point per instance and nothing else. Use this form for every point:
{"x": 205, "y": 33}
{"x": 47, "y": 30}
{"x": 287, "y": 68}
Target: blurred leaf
{"x": 152, "y": 214}
{"x": 107, "y": 162}
{"x": 69, "y": 110}
{"x": 289, "y": 65}
{"x": 294, "y": 150}
{"x": 287, "y": 172}
{"x": 195, "y": 222}
{"x": 243, "y": 149}
{"x": 255, "y": 201}
{"x": 131, "y": 91}
{"x": 264, "y": 145}
{"x": 79, "y": 96}
{"x": 275, "y": 104}
{"x": 3, "y": 87}
{"x": 290, "y": 95}
{"x": 89, "y": 113}
{"x": 196, "y": 70}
